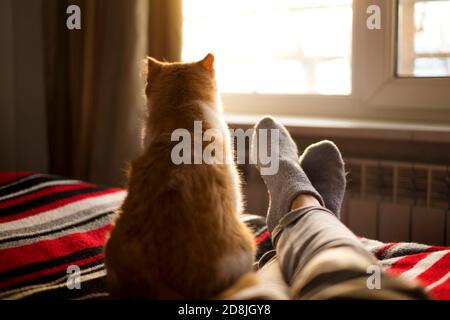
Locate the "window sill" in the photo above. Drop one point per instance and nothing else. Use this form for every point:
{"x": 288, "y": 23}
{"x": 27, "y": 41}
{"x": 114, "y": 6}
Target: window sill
{"x": 357, "y": 129}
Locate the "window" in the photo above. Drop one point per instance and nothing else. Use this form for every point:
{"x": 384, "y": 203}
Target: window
{"x": 319, "y": 58}
{"x": 424, "y": 38}
{"x": 266, "y": 46}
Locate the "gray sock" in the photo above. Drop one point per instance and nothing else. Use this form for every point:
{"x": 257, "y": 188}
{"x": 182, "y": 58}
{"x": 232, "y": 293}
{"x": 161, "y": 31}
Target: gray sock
{"x": 290, "y": 180}
{"x": 323, "y": 164}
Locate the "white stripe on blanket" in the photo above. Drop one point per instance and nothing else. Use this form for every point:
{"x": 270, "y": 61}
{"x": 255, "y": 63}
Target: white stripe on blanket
{"x": 90, "y": 276}
{"x": 438, "y": 283}
{"x": 21, "y": 180}
{"x": 61, "y": 229}
{"x": 98, "y": 271}
{"x": 386, "y": 263}
{"x": 424, "y": 264}
{"x": 40, "y": 186}
{"x": 63, "y": 211}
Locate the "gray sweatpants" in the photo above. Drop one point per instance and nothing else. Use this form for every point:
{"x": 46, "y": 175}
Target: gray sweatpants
{"x": 318, "y": 257}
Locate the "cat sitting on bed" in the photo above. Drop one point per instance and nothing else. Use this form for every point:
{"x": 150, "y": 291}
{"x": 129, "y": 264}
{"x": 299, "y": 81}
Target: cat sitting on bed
{"x": 178, "y": 234}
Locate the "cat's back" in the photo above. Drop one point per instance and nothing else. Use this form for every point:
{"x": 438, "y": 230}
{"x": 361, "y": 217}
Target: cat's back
{"x": 178, "y": 234}
{"x": 177, "y": 222}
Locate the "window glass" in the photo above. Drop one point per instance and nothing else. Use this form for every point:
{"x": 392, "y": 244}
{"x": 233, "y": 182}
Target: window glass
{"x": 424, "y": 38}
{"x": 266, "y": 46}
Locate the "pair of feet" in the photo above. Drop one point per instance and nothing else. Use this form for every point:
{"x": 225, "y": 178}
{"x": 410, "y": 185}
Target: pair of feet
{"x": 318, "y": 172}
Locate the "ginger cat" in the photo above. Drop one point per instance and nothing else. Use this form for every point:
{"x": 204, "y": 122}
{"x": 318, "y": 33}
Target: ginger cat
{"x": 178, "y": 235}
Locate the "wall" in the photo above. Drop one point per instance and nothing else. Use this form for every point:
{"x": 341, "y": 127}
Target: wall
{"x": 23, "y": 128}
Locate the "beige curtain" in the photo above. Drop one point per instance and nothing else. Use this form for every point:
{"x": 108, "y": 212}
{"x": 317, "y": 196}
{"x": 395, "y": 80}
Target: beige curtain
{"x": 165, "y": 29}
{"x": 118, "y": 35}
{"x": 95, "y": 90}
{"x": 111, "y": 100}
{"x": 72, "y": 100}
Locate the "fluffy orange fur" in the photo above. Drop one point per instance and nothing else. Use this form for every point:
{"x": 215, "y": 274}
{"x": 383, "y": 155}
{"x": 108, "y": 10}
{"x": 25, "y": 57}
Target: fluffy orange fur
{"x": 178, "y": 235}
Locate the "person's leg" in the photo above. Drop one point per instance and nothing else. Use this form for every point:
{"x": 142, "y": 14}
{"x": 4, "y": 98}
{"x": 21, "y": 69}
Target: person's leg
{"x": 320, "y": 258}
{"x": 324, "y": 166}
{"x": 323, "y": 259}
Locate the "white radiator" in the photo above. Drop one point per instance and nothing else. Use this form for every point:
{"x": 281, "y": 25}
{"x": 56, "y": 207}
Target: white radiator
{"x": 385, "y": 200}
{"x": 396, "y": 201}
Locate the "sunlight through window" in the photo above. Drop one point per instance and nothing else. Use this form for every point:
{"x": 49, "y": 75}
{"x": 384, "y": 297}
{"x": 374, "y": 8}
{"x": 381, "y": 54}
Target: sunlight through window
{"x": 266, "y": 46}
{"x": 424, "y": 38}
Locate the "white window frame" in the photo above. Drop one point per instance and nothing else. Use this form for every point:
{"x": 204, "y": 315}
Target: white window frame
{"x": 377, "y": 92}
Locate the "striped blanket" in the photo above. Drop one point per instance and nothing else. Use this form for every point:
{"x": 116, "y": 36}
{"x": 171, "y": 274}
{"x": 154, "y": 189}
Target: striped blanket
{"x": 52, "y": 232}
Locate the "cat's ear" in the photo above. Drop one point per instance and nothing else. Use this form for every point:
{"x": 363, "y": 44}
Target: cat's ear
{"x": 153, "y": 66}
{"x": 208, "y": 63}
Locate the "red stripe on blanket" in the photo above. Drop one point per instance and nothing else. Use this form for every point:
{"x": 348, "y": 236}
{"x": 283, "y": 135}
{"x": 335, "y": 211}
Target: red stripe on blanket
{"x": 47, "y": 272}
{"x": 406, "y": 263}
{"x": 56, "y": 204}
{"x": 44, "y": 192}
{"x": 436, "y": 248}
{"x": 263, "y": 236}
{"x": 48, "y": 249}
{"x": 436, "y": 271}
{"x": 442, "y": 291}
{"x": 6, "y": 177}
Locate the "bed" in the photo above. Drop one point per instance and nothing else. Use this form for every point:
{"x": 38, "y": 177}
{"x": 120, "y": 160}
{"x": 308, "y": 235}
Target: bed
{"x": 52, "y": 232}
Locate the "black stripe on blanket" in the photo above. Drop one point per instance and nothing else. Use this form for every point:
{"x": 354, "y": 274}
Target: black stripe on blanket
{"x": 28, "y": 182}
{"x": 42, "y": 201}
{"x": 52, "y": 263}
{"x": 56, "y": 230}
{"x": 89, "y": 288}
{"x": 15, "y": 180}
{"x": 45, "y": 280}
